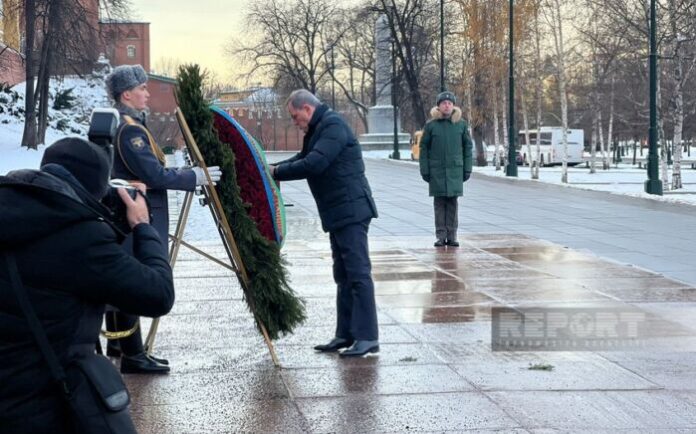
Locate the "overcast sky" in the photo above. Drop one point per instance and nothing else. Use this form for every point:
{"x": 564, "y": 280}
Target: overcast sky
{"x": 192, "y": 31}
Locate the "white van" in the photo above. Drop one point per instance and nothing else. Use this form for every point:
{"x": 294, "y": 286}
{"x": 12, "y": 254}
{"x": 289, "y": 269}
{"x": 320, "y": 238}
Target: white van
{"x": 552, "y": 146}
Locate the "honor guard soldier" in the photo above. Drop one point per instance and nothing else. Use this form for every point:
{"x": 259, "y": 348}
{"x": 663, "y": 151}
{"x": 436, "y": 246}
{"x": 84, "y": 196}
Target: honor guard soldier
{"x": 138, "y": 158}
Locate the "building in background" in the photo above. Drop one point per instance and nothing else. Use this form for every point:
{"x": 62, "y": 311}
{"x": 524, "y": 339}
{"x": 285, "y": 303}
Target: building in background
{"x": 262, "y": 113}
{"x": 11, "y": 59}
{"x": 126, "y": 42}
{"x": 121, "y": 42}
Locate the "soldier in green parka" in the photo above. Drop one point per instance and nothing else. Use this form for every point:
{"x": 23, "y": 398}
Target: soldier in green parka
{"x": 445, "y": 164}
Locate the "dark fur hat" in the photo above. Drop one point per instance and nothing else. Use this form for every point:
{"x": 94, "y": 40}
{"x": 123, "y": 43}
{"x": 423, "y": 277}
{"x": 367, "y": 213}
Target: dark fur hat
{"x": 123, "y": 78}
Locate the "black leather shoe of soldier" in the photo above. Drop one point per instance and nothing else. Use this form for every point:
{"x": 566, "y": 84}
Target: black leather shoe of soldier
{"x": 159, "y": 359}
{"x": 361, "y": 348}
{"x": 333, "y": 346}
{"x": 142, "y": 364}
{"x": 439, "y": 243}
{"x": 453, "y": 243}
{"x": 115, "y": 351}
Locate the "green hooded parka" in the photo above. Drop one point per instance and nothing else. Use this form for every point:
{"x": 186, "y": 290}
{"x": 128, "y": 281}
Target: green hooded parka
{"x": 446, "y": 153}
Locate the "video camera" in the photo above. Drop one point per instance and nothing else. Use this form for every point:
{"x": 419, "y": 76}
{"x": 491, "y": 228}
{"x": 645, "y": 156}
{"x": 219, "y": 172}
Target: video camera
{"x": 103, "y": 126}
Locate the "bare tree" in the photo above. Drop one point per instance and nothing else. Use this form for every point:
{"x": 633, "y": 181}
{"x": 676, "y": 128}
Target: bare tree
{"x": 682, "y": 35}
{"x": 67, "y": 31}
{"x": 412, "y": 26}
{"x": 354, "y": 60}
{"x": 168, "y": 66}
{"x": 555, "y": 20}
{"x": 483, "y": 30}
{"x": 295, "y": 39}
{"x": 29, "y": 134}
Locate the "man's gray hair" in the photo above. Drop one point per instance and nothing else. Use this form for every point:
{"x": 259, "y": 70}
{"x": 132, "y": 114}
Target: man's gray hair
{"x": 300, "y": 97}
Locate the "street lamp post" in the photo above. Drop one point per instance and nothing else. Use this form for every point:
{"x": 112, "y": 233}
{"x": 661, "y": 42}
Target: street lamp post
{"x": 653, "y": 184}
{"x": 442, "y": 45}
{"x": 512, "y": 149}
{"x": 395, "y": 154}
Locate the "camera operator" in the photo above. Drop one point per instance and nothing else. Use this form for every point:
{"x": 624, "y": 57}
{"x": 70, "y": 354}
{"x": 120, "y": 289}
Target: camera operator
{"x": 70, "y": 263}
{"x": 139, "y": 158}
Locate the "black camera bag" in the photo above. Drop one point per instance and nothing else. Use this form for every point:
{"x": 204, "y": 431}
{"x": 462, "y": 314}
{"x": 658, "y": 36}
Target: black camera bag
{"x": 91, "y": 386}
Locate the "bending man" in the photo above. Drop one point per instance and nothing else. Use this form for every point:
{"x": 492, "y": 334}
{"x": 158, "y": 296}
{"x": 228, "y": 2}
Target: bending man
{"x": 331, "y": 162}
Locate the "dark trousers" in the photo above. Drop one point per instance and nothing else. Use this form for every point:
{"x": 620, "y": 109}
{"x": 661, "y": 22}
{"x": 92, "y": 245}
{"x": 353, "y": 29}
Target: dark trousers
{"x": 120, "y": 321}
{"x": 355, "y": 299}
{"x": 446, "y": 217}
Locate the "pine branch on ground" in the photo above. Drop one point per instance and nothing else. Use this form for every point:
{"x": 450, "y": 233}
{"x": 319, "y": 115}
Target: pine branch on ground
{"x": 275, "y": 303}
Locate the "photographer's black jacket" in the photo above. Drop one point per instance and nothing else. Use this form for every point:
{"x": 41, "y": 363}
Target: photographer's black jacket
{"x": 71, "y": 265}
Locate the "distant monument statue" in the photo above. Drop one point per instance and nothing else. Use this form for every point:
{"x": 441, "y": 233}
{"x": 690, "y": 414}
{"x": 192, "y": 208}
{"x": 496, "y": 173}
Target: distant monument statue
{"x": 380, "y": 118}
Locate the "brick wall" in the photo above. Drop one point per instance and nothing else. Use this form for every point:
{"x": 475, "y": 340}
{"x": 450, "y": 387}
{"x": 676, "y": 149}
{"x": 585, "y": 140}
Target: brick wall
{"x": 275, "y": 130}
{"x": 162, "y": 121}
{"x": 127, "y": 43}
{"x": 11, "y": 66}
{"x": 161, "y": 94}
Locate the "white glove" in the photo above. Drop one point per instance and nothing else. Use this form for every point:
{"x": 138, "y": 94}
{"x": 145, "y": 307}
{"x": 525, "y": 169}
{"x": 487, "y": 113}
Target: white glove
{"x": 214, "y": 172}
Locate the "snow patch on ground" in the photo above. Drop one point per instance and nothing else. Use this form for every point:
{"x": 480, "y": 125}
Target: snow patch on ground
{"x": 89, "y": 93}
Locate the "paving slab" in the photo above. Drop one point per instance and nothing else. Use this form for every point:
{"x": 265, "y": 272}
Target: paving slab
{"x": 404, "y": 413}
{"x": 505, "y": 374}
{"x": 379, "y": 380}
{"x": 521, "y": 246}
{"x": 589, "y": 410}
{"x": 270, "y": 416}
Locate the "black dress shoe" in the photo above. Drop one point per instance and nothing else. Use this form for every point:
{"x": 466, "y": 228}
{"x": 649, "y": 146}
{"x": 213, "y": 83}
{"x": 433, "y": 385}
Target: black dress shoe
{"x": 142, "y": 364}
{"x": 361, "y": 348}
{"x": 335, "y": 345}
{"x": 439, "y": 243}
{"x": 158, "y": 359}
{"x": 453, "y": 243}
{"x": 115, "y": 351}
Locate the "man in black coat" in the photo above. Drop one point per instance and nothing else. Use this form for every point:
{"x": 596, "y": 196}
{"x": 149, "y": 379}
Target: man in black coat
{"x": 71, "y": 264}
{"x": 331, "y": 161}
{"x": 139, "y": 158}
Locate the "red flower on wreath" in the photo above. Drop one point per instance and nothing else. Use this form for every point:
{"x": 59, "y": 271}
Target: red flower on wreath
{"x": 249, "y": 178}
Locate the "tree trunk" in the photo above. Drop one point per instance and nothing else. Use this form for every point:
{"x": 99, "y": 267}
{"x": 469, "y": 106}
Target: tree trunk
{"x": 506, "y": 142}
{"x": 678, "y": 102}
{"x": 496, "y": 130}
{"x": 525, "y": 120}
{"x": 610, "y": 133}
{"x": 50, "y": 34}
{"x": 29, "y": 134}
{"x": 602, "y": 146}
{"x": 593, "y": 143}
{"x": 43, "y": 84}
{"x": 469, "y": 112}
{"x": 677, "y": 139}
{"x": 537, "y": 93}
{"x": 478, "y": 101}
{"x": 664, "y": 168}
{"x": 560, "y": 53}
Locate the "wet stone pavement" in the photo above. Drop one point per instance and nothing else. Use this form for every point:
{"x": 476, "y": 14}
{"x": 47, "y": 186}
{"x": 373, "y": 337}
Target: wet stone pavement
{"x": 436, "y": 371}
